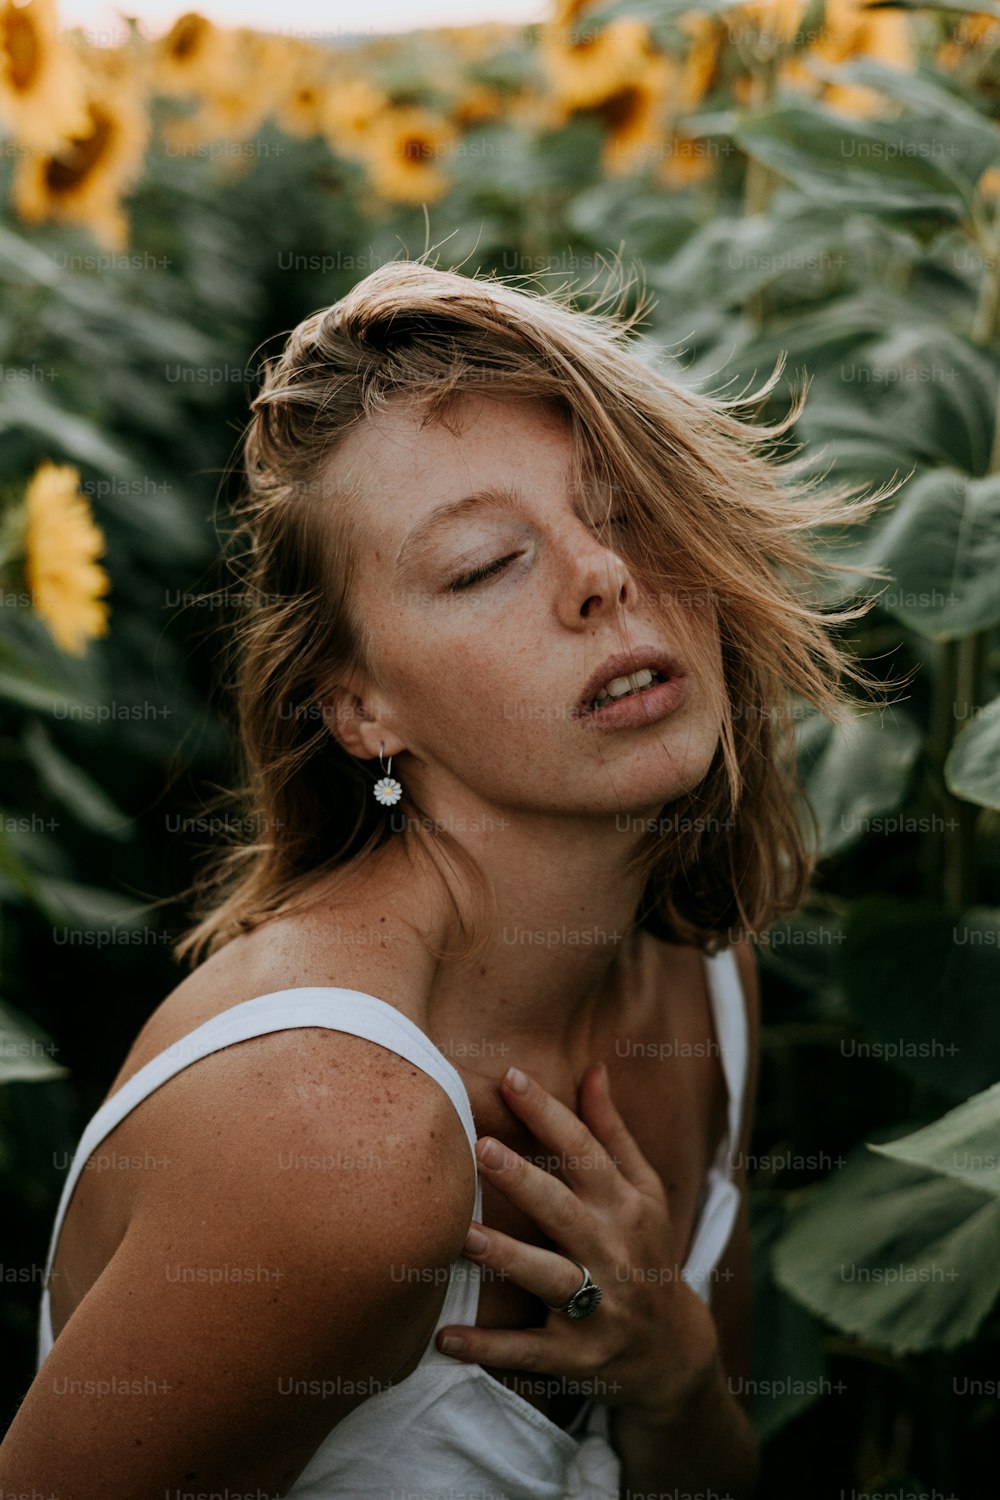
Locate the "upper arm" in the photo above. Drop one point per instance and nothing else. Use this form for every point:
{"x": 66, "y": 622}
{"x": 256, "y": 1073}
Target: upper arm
{"x": 731, "y": 1290}
{"x": 266, "y": 1277}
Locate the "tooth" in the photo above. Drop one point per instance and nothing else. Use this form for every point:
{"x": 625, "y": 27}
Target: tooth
{"x": 620, "y": 687}
{"x": 631, "y": 684}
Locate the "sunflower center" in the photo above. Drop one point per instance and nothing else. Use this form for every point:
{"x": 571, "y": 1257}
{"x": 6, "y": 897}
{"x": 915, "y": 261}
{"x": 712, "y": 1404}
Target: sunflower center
{"x": 417, "y": 148}
{"x": 23, "y": 50}
{"x": 187, "y": 36}
{"x": 620, "y": 108}
{"x": 66, "y": 171}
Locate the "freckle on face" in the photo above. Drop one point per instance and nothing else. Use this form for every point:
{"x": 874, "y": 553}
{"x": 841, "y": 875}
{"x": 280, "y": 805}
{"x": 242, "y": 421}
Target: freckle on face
{"x": 479, "y": 683}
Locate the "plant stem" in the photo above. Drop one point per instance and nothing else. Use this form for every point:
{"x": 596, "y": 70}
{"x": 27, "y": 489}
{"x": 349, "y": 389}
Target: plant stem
{"x": 986, "y": 319}
{"x": 957, "y": 692}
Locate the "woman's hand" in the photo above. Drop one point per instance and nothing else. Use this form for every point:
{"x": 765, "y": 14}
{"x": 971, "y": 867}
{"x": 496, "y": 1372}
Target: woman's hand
{"x": 651, "y": 1339}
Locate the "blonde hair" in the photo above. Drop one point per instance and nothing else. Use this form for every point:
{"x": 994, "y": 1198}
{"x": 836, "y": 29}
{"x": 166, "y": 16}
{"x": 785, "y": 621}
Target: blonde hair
{"x": 715, "y": 521}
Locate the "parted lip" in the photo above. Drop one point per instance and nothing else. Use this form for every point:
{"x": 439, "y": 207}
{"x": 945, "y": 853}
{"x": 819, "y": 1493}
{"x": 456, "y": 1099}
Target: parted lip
{"x": 623, "y": 665}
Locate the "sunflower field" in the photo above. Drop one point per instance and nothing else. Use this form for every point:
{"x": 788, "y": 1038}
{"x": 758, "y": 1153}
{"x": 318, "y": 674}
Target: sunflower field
{"x": 813, "y": 180}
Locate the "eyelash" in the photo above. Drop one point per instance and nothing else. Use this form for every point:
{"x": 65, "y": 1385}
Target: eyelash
{"x": 468, "y": 580}
{"x": 490, "y": 570}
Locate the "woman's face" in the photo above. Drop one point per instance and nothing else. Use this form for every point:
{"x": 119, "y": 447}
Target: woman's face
{"x": 481, "y": 680}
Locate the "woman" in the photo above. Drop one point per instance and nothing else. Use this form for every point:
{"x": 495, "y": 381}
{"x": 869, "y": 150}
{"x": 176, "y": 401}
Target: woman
{"x": 519, "y": 631}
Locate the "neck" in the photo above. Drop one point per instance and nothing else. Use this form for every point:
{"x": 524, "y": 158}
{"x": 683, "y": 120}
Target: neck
{"x": 565, "y": 908}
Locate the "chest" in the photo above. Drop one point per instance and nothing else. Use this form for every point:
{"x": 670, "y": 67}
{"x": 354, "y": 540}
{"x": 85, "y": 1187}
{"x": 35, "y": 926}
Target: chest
{"x": 672, "y": 1097}
{"x": 665, "y": 1079}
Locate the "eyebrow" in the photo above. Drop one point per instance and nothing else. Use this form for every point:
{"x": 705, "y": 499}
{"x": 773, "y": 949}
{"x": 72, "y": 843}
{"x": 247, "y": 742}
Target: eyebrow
{"x": 503, "y": 499}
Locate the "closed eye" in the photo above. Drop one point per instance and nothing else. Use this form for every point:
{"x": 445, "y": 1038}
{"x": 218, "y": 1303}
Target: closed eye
{"x": 489, "y": 570}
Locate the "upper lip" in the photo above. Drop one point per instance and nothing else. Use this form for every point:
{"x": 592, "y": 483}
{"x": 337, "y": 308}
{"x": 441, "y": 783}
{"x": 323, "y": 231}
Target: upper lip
{"x": 624, "y": 665}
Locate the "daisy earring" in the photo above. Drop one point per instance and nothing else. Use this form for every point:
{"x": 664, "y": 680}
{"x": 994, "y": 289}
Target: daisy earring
{"x": 387, "y": 791}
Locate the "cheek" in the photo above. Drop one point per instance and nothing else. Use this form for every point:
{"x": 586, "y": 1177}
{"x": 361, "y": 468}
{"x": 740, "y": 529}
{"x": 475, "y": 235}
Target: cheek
{"x": 456, "y": 692}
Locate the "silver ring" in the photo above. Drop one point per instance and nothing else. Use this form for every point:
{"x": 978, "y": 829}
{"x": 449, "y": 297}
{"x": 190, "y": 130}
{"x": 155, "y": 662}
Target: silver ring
{"x": 584, "y": 1300}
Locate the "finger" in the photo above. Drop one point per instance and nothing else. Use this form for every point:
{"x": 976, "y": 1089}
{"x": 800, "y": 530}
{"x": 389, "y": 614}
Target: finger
{"x": 545, "y": 1273}
{"x": 601, "y": 1115}
{"x": 507, "y": 1348}
{"x": 553, "y": 1205}
{"x": 576, "y": 1153}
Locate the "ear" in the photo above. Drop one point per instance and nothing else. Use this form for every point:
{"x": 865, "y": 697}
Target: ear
{"x": 350, "y": 723}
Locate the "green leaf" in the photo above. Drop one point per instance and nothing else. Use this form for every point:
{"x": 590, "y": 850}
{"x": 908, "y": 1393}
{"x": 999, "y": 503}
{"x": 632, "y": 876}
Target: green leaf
{"x": 873, "y": 165}
{"x": 941, "y": 542}
{"x": 963, "y": 1144}
{"x": 788, "y": 1368}
{"x": 963, "y": 7}
{"x": 33, "y": 691}
{"x": 25, "y": 1053}
{"x": 972, "y": 770}
{"x": 901, "y": 1257}
{"x": 922, "y": 985}
{"x": 64, "y": 432}
{"x": 72, "y": 786}
{"x": 943, "y": 128}
{"x": 98, "y": 914}
{"x": 13, "y": 867}
{"x": 856, "y": 773}
{"x": 930, "y": 389}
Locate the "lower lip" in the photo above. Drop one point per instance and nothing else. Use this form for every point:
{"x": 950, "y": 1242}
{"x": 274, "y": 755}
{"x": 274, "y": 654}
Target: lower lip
{"x": 647, "y": 707}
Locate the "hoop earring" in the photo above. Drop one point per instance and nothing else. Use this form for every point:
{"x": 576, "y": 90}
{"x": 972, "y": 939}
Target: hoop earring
{"x": 387, "y": 790}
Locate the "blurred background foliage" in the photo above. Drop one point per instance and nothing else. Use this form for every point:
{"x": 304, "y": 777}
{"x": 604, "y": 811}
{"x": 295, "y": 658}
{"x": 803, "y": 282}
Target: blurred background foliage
{"x": 819, "y": 179}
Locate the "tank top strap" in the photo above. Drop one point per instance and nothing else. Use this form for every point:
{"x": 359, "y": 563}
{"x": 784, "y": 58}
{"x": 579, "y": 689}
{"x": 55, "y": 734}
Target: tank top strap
{"x": 337, "y": 1009}
{"x": 728, "y": 1003}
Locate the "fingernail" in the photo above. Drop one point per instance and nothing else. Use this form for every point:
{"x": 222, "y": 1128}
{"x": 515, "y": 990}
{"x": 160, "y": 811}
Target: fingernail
{"x": 517, "y": 1080}
{"x": 490, "y": 1152}
{"x": 477, "y": 1241}
{"x": 450, "y": 1344}
{"x": 604, "y": 1074}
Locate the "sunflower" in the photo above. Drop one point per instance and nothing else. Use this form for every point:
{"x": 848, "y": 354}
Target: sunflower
{"x": 851, "y": 30}
{"x": 306, "y": 77}
{"x": 401, "y": 153}
{"x": 970, "y": 33}
{"x": 61, "y": 545}
{"x": 634, "y": 117}
{"x": 242, "y": 87}
{"x": 41, "y": 91}
{"x": 188, "y": 58}
{"x": 83, "y": 178}
{"x": 349, "y": 110}
{"x": 585, "y": 72}
{"x": 479, "y": 101}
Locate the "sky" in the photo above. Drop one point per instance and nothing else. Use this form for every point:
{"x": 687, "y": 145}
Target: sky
{"x": 317, "y": 18}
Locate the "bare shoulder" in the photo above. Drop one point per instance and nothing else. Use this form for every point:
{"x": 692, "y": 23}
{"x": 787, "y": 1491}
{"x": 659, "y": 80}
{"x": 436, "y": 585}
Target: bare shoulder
{"x": 298, "y": 1091}
{"x": 286, "y": 1260}
{"x": 351, "y": 947}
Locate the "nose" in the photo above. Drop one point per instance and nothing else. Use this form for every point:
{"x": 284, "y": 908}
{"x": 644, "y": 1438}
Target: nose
{"x": 598, "y": 581}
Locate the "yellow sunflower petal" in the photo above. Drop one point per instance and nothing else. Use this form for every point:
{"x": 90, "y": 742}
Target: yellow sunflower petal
{"x": 403, "y": 151}
{"x": 586, "y": 67}
{"x": 62, "y": 543}
{"x": 84, "y": 178}
{"x": 349, "y": 109}
{"x": 41, "y": 89}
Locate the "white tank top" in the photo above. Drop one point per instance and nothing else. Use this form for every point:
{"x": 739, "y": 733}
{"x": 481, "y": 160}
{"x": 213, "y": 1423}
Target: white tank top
{"x": 448, "y": 1428}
